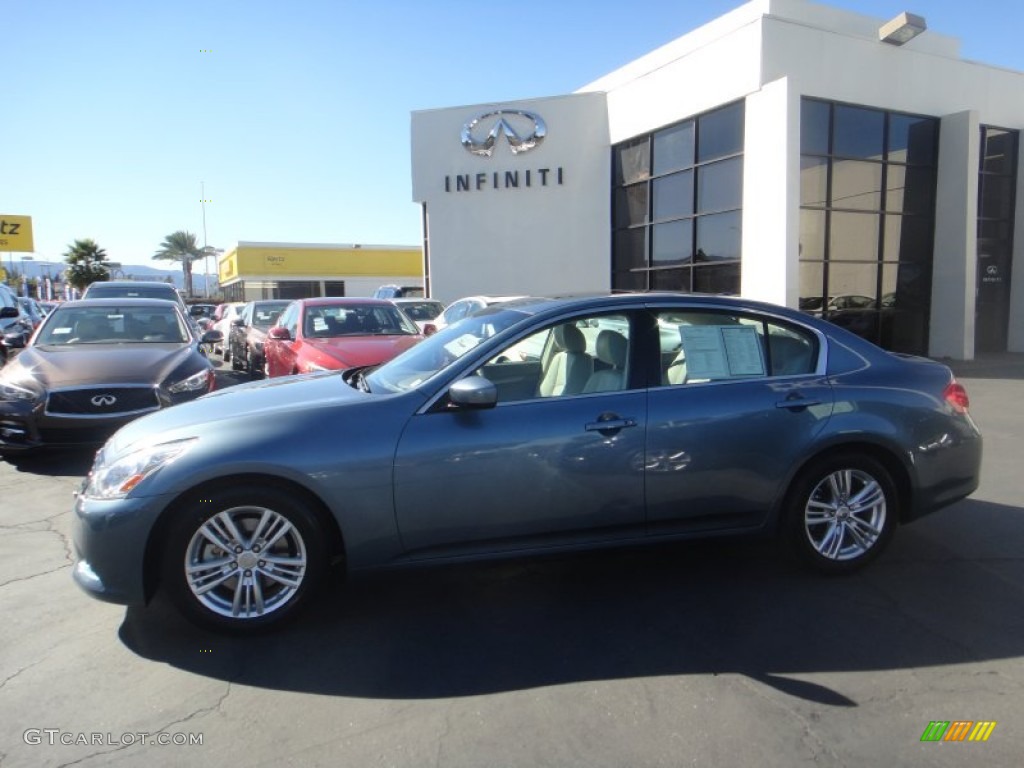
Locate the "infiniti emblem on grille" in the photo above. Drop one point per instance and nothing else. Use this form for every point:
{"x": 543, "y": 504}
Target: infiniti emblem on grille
{"x": 101, "y": 400}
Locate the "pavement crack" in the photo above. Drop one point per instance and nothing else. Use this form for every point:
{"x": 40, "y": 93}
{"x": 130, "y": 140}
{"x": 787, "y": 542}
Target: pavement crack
{"x": 8, "y": 679}
{"x": 35, "y": 575}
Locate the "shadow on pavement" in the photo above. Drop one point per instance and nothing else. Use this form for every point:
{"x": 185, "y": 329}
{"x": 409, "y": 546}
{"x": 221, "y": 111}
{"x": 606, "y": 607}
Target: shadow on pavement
{"x": 721, "y": 607}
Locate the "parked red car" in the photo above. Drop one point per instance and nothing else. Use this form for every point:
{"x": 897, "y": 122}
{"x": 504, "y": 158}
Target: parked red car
{"x": 331, "y": 334}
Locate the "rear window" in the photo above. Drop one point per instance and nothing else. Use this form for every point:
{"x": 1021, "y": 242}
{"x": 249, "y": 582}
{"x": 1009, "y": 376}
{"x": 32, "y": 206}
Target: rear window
{"x": 100, "y": 291}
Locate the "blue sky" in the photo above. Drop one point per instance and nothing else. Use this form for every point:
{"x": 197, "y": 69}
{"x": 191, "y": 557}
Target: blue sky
{"x": 297, "y": 119}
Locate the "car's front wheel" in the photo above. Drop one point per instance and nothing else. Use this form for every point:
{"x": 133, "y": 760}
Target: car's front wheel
{"x": 243, "y": 559}
{"x": 842, "y": 512}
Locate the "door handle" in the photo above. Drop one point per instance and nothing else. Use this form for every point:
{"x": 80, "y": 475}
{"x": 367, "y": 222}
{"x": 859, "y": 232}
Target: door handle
{"x": 609, "y": 423}
{"x": 797, "y": 401}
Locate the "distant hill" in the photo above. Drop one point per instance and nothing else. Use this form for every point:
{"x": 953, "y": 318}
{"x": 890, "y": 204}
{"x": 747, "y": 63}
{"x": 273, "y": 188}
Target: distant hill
{"x": 127, "y": 271}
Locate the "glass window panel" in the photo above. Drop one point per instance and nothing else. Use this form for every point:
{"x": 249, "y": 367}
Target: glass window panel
{"x": 907, "y": 238}
{"x": 720, "y": 185}
{"x": 629, "y": 281}
{"x": 632, "y": 161}
{"x": 905, "y": 305}
{"x": 851, "y": 286}
{"x": 853, "y": 237}
{"x": 814, "y": 127}
{"x": 994, "y": 229}
{"x": 718, "y": 237}
{"x": 672, "y": 242}
{"x": 812, "y": 234}
{"x": 814, "y": 181}
{"x": 673, "y": 196}
{"x": 856, "y": 185}
{"x": 1000, "y": 151}
{"x": 717, "y": 278}
{"x": 910, "y": 189}
{"x": 630, "y": 205}
{"x": 996, "y": 197}
{"x": 720, "y": 133}
{"x": 912, "y": 139}
{"x": 629, "y": 249}
{"x": 812, "y": 286}
{"x": 670, "y": 279}
{"x": 673, "y": 148}
{"x": 858, "y": 132}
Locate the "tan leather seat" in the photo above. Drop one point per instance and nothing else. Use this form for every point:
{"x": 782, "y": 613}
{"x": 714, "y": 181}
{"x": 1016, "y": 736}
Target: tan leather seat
{"x": 568, "y": 370}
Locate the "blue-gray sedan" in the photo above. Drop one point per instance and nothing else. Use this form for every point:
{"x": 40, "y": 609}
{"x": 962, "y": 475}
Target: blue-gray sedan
{"x": 541, "y": 425}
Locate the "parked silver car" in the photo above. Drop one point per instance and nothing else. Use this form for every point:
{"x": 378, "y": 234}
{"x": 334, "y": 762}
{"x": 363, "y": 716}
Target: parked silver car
{"x": 532, "y": 426}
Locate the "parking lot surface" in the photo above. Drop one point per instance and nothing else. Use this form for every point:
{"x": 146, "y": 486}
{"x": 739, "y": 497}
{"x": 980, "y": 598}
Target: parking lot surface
{"x": 721, "y": 653}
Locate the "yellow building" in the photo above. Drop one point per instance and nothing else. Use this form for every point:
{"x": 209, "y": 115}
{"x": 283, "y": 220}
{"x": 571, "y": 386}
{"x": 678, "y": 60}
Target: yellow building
{"x": 301, "y": 270}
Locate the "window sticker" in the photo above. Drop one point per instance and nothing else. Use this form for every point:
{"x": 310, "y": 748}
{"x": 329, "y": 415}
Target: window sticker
{"x": 319, "y": 324}
{"x": 60, "y": 331}
{"x": 460, "y": 346}
{"x": 721, "y": 351}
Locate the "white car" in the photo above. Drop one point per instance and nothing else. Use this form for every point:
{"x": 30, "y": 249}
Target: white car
{"x": 466, "y": 307}
{"x": 423, "y": 312}
{"x": 229, "y": 313}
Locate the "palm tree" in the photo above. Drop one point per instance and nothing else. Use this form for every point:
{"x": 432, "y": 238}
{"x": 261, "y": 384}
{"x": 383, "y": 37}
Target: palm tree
{"x": 85, "y": 264}
{"x": 181, "y": 246}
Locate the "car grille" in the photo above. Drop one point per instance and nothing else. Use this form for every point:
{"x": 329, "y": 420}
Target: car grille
{"x": 101, "y": 401}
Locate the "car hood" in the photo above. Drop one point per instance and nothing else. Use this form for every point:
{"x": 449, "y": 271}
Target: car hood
{"x": 244, "y": 405}
{"x": 357, "y": 351}
{"x": 69, "y": 366}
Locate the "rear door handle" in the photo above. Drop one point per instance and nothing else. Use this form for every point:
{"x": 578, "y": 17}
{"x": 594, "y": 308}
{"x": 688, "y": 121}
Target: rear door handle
{"x": 796, "y": 402}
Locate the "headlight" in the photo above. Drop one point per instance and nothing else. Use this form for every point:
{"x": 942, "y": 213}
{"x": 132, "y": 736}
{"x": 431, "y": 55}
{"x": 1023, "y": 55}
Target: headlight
{"x": 9, "y": 391}
{"x": 115, "y": 481}
{"x": 193, "y": 383}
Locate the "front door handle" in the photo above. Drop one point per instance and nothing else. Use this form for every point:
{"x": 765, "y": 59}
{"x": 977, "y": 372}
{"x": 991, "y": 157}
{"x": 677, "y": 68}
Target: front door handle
{"x": 610, "y": 423}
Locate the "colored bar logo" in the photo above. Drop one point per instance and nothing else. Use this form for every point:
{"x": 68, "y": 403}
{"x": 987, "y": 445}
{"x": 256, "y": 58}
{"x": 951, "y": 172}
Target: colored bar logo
{"x": 958, "y": 730}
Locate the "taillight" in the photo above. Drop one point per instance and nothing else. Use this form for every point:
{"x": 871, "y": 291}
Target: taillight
{"x": 212, "y": 379}
{"x": 956, "y": 396}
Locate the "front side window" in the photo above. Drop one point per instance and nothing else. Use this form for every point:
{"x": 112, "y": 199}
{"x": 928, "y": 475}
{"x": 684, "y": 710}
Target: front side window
{"x": 581, "y": 356}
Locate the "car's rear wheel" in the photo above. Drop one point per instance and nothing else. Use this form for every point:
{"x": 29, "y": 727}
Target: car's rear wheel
{"x": 236, "y": 362}
{"x": 243, "y": 559}
{"x": 842, "y": 512}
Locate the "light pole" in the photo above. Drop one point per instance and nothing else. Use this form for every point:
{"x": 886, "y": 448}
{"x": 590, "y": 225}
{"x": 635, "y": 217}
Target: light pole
{"x": 206, "y": 250}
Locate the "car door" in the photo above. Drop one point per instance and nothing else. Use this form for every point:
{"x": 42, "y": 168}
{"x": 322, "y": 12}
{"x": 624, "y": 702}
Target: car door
{"x": 531, "y": 471}
{"x": 739, "y": 404}
{"x": 280, "y": 353}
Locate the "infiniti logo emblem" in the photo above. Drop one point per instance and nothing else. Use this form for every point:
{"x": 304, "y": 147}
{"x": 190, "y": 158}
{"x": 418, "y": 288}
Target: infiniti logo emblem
{"x": 523, "y": 130}
{"x": 101, "y": 400}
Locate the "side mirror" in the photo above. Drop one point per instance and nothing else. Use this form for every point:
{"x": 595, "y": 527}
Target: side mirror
{"x": 473, "y": 392}
{"x": 238, "y": 322}
{"x": 212, "y": 337}
{"x": 429, "y": 329}
{"x": 7, "y": 312}
{"x": 279, "y": 333}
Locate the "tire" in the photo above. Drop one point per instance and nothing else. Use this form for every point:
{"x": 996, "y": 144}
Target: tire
{"x": 253, "y": 365}
{"x": 841, "y": 512}
{"x": 224, "y": 533}
{"x": 236, "y": 363}
{"x": 225, "y": 354}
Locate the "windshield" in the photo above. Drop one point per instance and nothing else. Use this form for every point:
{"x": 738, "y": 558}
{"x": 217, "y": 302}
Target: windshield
{"x": 112, "y": 325}
{"x": 428, "y": 358}
{"x": 422, "y": 310}
{"x": 331, "y": 321}
{"x": 265, "y": 313}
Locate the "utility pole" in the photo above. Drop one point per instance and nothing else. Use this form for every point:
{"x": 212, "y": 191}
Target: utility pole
{"x": 206, "y": 255}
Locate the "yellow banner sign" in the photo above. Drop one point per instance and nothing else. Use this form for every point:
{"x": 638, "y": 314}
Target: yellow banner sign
{"x": 16, "y": 233}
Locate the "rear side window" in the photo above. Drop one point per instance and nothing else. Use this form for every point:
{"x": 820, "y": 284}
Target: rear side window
{"x": 700, "y": 346}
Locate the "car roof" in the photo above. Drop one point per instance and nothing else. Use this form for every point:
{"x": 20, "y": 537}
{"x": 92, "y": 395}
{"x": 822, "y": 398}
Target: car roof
{"x": 122, "y": 301}
{"x": 341, "y": 301}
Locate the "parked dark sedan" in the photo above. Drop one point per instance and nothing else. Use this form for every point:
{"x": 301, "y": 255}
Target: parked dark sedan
{"x": 96, "y": 364}
{"x": 249, "y": 332}
{"x": 533, "y": 426}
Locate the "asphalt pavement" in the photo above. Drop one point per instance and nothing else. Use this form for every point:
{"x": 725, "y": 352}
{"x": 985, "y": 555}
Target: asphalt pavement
{"x": 718, "y": 654}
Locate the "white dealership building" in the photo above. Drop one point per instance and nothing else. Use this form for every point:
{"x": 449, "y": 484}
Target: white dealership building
{"x": 787, "y": 151}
